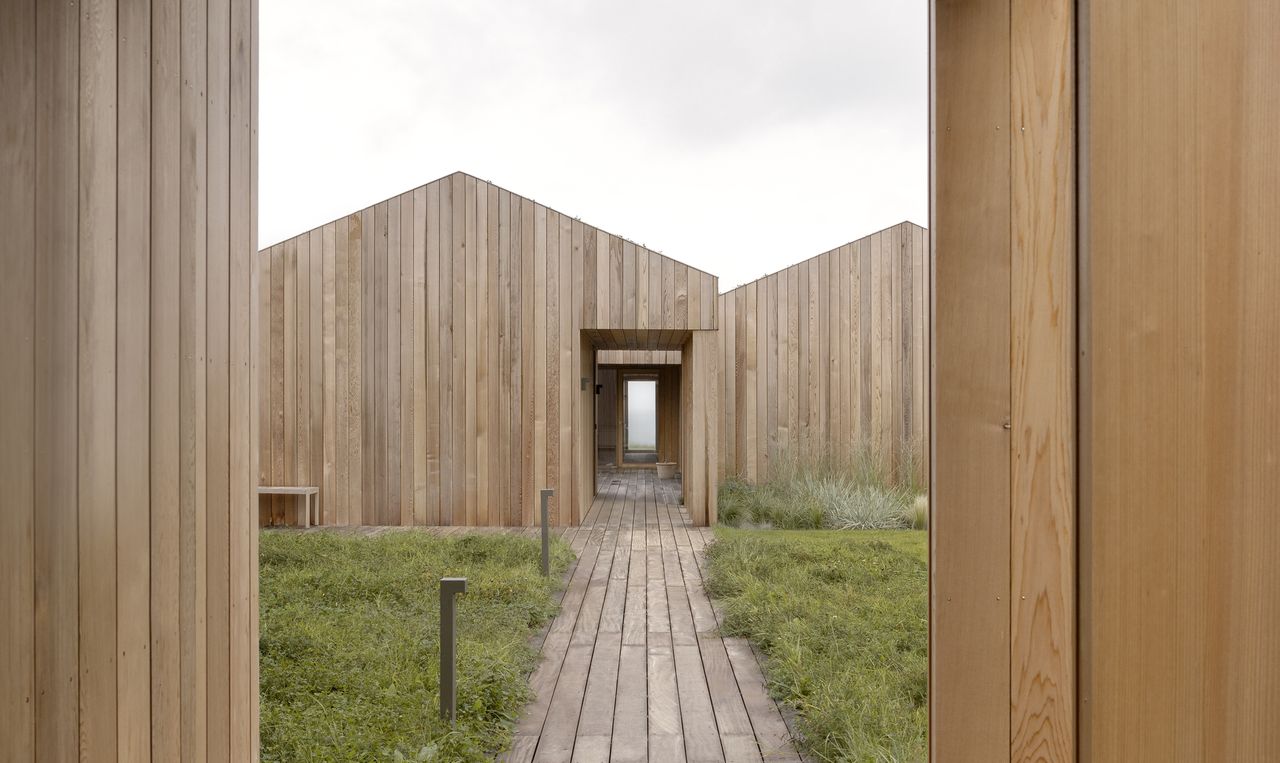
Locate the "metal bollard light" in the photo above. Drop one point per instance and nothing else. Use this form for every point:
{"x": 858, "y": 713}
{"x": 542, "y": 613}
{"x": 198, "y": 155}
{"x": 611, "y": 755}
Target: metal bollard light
{"x": 449, "y": 588}
{"x": 546, "y": 534}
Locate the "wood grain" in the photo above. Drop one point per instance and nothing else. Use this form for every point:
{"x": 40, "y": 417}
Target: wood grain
{"x": 96, "y": 445}
{"x": 1003, "y": 503}
{"x": 1178, "y": 400}
{"x": 55, "y": 523}
{"x": 18, "y": 310}
{"x": 970, "y": 484}
{"x": 131, "y": 306}
{"x": 1042, "y": 385}
{"x": 133, "y": 360}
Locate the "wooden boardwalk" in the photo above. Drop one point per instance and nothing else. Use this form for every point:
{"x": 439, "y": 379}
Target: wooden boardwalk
{"x": 632, "y": 668}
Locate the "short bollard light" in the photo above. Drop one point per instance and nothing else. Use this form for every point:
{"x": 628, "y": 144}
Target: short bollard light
{"x": 449, "y": 588}
{"x": 546, "y": 534}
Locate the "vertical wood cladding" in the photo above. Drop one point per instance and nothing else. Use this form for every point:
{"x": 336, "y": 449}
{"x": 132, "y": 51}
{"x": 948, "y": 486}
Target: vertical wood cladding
{"x": 828, "y": 357}
{"x": 459, "y": 321}
{"x": 1104, "y": 582}
{"x": 128, "y": 290}
{"x": 1179, "y": 448}
{"x": 1003, "y": 502}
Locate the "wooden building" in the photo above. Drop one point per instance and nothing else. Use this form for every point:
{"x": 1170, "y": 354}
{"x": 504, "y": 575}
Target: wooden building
{"x": 433, "y": 358}
{"x": 1104, "y": 449}
{"x": 439, "y": 357}
{"x": 827, "y": 358}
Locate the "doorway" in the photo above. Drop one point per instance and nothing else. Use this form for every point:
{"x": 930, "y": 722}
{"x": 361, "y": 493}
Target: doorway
{"x": 637, "y": 416}
{"x": 640, "y": 420}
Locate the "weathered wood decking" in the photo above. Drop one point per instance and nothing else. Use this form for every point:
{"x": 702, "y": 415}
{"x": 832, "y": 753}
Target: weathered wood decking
{"x": 633, "y": 668}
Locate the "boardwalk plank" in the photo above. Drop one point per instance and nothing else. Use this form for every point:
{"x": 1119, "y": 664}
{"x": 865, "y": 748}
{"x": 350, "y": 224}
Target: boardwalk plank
{"x": 630, "y": 710}
{"x": 770, "y": 730}
{"x": 602, "y": 685}
{"x": 633, "y": 667}
{"x": 560, "y": 729}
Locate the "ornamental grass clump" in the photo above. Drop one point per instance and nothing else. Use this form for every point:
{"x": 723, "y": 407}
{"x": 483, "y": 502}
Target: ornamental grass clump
{"x": 853, "y": 490}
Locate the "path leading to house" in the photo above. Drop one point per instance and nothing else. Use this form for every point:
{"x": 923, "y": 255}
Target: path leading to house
{"x": 632, "y": 668}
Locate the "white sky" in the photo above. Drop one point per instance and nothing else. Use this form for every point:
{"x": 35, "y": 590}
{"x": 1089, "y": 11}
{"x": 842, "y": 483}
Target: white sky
{"x": 739, "y": 136}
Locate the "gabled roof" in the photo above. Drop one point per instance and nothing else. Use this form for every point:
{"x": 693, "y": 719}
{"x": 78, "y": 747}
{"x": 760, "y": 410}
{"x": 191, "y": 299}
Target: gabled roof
{"x": 858, "y": 245}
{"x": 621, "y": 292}
{"x": 905, "y": 226}
{"x": 466, "y": 175}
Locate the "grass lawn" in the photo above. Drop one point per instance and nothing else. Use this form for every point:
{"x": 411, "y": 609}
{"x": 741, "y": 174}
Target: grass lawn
{"x": 841, "y": 616}
{"x": 350, "y": 643}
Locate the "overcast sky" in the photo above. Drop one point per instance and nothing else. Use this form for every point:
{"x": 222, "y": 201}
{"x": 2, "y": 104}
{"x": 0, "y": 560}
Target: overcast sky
{"x": 735, "y": 135}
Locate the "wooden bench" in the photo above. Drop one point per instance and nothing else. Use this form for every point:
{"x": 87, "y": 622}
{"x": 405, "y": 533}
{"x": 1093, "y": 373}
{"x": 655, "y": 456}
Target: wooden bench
{"x": 305, "y": 491}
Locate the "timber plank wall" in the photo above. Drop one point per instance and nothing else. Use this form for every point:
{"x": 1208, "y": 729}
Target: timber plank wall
{"x": 638, "y": 357}
{"x": 426, "y": 352}
{"x": 1180, "y": 419}
{"x": 829, "y": 356}
{"x": 128, "y": 547}
{"x": 1104, "y": 578}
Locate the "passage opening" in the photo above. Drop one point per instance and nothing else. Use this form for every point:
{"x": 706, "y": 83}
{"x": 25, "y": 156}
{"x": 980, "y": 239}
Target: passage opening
{"x": 642, "y": 415}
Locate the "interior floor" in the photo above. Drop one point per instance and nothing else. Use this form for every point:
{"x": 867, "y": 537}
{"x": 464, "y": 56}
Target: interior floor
{"x": 605, "y": 458}
{"x": 639, "y": 457}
